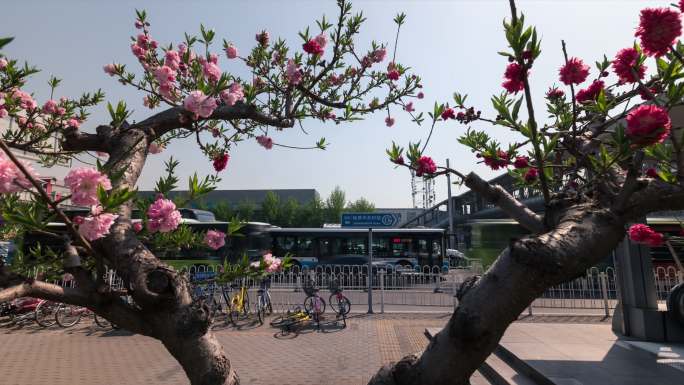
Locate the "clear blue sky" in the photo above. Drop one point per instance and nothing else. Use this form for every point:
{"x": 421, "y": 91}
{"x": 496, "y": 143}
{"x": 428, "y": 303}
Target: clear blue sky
{"x": 451, "y": 44}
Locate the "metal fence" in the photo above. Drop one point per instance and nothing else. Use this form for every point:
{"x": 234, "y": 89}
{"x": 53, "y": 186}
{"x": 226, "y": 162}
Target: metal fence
{"x": 429, "y": 289}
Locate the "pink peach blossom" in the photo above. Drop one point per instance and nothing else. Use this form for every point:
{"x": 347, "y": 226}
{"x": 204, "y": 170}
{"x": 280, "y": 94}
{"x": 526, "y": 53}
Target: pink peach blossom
{"x": 163, "y": 216}
{"x": 199, "y": 104}
{"x": 95, "y": 227}
{"x": 172, "y": 60}
{"x": 215, "y": 239}
{"x": 231, "y": 51}
{"x": 83, "y": 183}
{"x": 211, "y": 71}
{"x": 265, "y": 141}
{"x": 11, "y": 178}
{"x": 294, "y": 75}
{"x": 50, "y": 107}
{"x": 110, "y": 69}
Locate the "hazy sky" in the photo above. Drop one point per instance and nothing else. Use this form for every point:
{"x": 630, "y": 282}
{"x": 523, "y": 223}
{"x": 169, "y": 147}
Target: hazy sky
{"x": 451, "y": 44}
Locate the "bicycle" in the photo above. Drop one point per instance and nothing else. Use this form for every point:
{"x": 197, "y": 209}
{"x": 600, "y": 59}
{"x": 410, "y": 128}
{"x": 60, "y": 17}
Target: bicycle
{"x": 69, "y": 315}
{"x": 45, "y": 313}
{"x": 313, "y": 303}
{"x": 338, "y": 302}
{"x": 287, "y": 322}
{"x": 207, "y": 294}
{"x": 263, "y": 304}
{"x": 238, "y": 303}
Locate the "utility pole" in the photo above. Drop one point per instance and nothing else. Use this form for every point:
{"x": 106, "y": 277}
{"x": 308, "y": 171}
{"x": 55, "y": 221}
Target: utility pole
{"x": 450, "y": 210}
{"x": 370, "y": 271}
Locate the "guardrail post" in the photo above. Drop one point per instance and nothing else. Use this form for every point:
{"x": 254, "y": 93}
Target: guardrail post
{"x": 529, "y": 310}
{"x": 382, "y": 291}
{"x": 298, "y": 283}
{"x": 604, "y": 293}
{"x": 370, "y": 271}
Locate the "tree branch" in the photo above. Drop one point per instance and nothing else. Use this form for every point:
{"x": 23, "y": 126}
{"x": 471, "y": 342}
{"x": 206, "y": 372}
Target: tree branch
{"x": 497, "y": 195}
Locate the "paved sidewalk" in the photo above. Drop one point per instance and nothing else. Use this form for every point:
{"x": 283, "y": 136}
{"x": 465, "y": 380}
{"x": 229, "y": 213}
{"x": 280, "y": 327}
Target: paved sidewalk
{"x": 589, "y": 354}
{"x": 85, "y": 355}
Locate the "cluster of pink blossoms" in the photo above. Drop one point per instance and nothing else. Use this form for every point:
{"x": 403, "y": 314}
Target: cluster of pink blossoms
{"x": 590, "y": 93}
{"x": 83, "y": 183}
{"x": 554, "y": 93}
{"x": 658, "y": 30}
{"x": 265, "y": 141}
{"x": 648, "y": 124}
{"x": 514, "y": 76}
{"x": 199, "y": 104}
{"x": 531, "y": 175}
{"x": 231, "y": 51}
{"x": 643, "y": 234}
{"x": 221, "y": 161}
{"x": 162, "y": 216}
{"x": 377, "y": 56}
{"x": 96, "y": 225}
{"x": 215, "y": 239}
{"x": 316, "y": 46}
{"x": 11, "y": 178}
{"x": 233, "y": 94}
{"x": 425, "y": 166}
{"x": 273, "y": 264}
{"x": 626, "y": 61}
{"x": 389, "y": 121}
{"x": 521, "y": 162}
{"x": 574, "y": 71}
{"x": 500, "y": 160}
{"x": 293, "y": 73}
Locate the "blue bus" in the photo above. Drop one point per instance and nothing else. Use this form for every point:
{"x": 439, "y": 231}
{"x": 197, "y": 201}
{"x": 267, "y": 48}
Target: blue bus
{"x": 405, "y": 248}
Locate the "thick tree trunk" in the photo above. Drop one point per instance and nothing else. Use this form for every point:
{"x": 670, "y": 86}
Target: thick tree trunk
{"x": 489, "y": 305}
{"x": 203, "y": 359}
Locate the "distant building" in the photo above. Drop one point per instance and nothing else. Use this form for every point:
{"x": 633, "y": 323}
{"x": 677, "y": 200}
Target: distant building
{"x": 236, "y": 197}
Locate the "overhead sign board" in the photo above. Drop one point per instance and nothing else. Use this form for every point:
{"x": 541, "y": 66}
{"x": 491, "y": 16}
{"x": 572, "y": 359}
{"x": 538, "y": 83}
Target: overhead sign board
{"x": 370, "y": 219}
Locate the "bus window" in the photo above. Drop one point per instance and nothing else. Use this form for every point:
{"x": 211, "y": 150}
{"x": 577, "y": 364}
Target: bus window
{"x": 436, "y": 247}
{"x": 305, "y": 247}
{"x": 355, "y": 245}
{"x": 381, "y": 247}
{"x": 328, "y": 246}
{"x": 401, "y": 247}
{"x": 285, "y": 244}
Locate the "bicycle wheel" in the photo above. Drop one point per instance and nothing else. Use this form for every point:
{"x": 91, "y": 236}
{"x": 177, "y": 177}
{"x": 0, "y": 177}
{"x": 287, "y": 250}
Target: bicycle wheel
{"x": 309, "y": 305}
{"x": 269, "y": 305}
{"x": 278, "y": 321}
{"x": 67, "y": 315}
{"x": 103, "y": 322}
{"x": 260, "y": 310}
{"x": 45, "y": 313}
{"x": 340, "y": 305}
{"x": 245, "y": 305}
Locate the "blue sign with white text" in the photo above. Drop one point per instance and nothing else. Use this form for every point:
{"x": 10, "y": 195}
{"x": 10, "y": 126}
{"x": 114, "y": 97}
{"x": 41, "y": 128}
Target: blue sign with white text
{"x": 370, "y": 219}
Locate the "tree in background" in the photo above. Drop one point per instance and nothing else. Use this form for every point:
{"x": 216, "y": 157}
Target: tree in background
{"x": 245, "y": 210}
{"x": 270, "y": 208}
{"x": 361, "y": 205}
{"x": 190, "y": 96}
{"x": 334, "y": 205}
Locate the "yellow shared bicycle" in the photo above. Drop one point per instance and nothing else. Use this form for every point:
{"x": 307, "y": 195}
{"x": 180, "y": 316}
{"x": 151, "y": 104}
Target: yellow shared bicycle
{"x": 238, "y": 302}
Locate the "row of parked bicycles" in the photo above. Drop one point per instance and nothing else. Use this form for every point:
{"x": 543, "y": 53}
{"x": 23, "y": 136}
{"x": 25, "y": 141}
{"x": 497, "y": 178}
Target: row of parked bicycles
{"x": 232, "y": 303}
{"x": 45, "y": 313}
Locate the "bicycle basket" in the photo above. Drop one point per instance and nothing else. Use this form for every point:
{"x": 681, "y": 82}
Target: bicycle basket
{"x": 309, "y": 287}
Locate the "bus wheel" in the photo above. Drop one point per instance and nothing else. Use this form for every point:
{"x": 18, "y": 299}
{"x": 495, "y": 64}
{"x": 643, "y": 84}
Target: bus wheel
{"x": 405, "y": 264}
{"x": 296, "y": 265}
{"x": 675, "y": 303}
